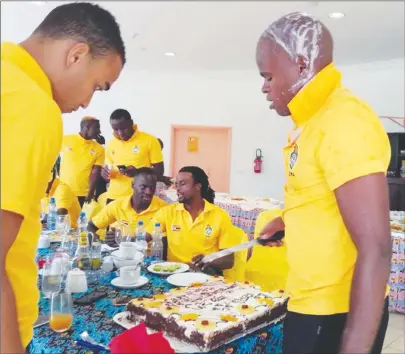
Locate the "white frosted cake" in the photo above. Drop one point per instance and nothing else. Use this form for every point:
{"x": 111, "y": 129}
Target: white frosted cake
{"x": 211, "y": 314}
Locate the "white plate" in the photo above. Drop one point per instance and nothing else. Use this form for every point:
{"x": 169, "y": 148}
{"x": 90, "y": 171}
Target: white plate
{"x": 141, "y": 282}
{"x": 182, "y": 269}
{"x": 121, "y": 262}
{"x": 186, "y": 279}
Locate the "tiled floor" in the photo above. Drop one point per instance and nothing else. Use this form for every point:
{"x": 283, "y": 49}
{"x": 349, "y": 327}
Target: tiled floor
{"x": 395, "y": 338}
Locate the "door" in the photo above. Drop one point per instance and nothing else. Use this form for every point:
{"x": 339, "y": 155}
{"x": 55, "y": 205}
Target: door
{"x": 206, "y": 147}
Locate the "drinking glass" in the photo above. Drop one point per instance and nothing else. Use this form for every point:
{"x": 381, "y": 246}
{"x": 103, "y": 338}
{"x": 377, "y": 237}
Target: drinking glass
{"x": 122, "y": 233}
{"x": 61, "y": 312}
{"x": 63, "y": 224}
{"x": 51, "y": 279}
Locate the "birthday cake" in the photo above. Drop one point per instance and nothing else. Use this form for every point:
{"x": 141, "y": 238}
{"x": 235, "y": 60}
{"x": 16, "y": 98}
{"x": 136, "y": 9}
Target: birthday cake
{"x": 211, "y": 314}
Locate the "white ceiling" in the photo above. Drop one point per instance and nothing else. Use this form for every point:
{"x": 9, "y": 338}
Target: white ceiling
{"x": 216, "y": 35}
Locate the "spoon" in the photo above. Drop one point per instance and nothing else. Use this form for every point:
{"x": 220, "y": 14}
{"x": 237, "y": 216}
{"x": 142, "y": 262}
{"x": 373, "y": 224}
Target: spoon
{"x": 86, "y": 338}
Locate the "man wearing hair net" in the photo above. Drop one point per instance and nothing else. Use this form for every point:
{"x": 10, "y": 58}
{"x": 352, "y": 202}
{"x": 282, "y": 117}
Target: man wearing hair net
{"x": 336, "y": 214}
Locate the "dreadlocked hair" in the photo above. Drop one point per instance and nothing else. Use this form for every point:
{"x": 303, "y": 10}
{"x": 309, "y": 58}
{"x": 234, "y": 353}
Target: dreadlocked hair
{"x": 200, "y": 177}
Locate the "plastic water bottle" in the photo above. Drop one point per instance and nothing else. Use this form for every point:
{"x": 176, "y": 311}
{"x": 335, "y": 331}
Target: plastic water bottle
{"x": 52, "y": 214}
{"x": 157, "y": 244}
{"x": 140, "y": 238}
{"x": 82, "y": 226}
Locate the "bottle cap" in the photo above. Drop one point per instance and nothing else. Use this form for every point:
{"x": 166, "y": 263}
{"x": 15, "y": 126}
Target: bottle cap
{"x": 82, "y": 213}
{"x": 140, "y": 223}
{"x": 52, "y": 200}
{"x": 157, "y": 224}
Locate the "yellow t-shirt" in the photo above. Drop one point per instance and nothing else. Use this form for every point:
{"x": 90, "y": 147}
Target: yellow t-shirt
{"x": 141, "y": 150}
{"x": 31, "y": 137}
{"x": 78, "y": 158}
{"x": 121, "y": 210}
{"x": 210, "y": 231}
{"x": 338, "y": 138}
{"x": 267, "y": 266}
{"x": 237, "y": 272}
{"x": 66, "y": 199}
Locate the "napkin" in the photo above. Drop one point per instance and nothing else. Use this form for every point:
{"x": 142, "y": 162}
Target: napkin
{"x": 137, "y": 340}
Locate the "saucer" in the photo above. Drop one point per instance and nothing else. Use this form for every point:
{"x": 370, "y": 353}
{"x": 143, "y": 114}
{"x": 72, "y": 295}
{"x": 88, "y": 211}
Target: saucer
{"x": 118, "y": 283}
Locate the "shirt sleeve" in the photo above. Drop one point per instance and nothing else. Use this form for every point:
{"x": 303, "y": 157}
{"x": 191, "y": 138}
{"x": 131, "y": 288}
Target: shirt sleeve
{"x": 62, "y": 197}
{"x": 100, "y": 157}
{"x": 155, "y": 151}
{"x": 351, "y": 147}
{"x": 227, "y": 237}
{"x": 106, "y": 216}
{"x": 31, "y": 138}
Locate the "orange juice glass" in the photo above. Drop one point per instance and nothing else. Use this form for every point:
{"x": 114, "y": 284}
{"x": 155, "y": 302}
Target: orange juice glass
{"x": 61, "y": 312}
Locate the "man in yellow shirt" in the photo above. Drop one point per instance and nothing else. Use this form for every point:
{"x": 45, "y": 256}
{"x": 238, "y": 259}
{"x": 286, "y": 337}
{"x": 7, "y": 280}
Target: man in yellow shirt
{"x": 56, "y": 70}
{"x": 194, "y": 226}
{"x": 82, "y": 160}
{"x": 140, "y": 206}
{"x": 336, "y": 215}
{"x": 66, "y": 200}
{"x": 129, "y": 150}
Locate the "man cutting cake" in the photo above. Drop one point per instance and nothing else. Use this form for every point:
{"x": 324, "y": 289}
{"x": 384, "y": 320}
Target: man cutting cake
{"x": 336, "y": 215}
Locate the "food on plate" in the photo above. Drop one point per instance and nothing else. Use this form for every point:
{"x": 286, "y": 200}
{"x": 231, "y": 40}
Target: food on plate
{"x": 211, "y": 314}
{"x": 171, "y": 268}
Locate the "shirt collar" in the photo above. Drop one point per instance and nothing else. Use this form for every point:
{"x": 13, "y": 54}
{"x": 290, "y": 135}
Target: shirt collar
{"x": 207, "y": 207}
{"x": 313, "y": 96}
{"x": 17, "y": 55}
{"x": 84, "y": 140}
{"x": 153, "y": 206}
{"x": 133, "y": 137}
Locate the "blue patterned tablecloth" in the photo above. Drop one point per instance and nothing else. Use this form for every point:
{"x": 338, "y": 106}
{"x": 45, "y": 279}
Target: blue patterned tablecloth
{"x": 97, "y": 320}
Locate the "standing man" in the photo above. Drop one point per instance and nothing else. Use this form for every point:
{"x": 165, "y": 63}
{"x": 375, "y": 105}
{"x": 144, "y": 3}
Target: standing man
{"x": 129, "y": 150}
{"x": 75, "y": 51}
{"x": 336, "y": 214}
{"x": 82, "y": 160}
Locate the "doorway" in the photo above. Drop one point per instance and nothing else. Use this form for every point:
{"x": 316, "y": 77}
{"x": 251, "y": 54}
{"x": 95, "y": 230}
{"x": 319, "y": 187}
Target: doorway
{"x": 206, "y": 147}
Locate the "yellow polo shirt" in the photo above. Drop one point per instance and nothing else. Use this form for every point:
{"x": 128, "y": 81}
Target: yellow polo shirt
{"x": 31, "y": 137}
{"x": 338, "y": 138}
{"x": 141, "y": 150}
{"x": 211, "y": 231}
{"x": 66, "y": 199}
{"x": 121, "y": 210}
{"x": 78, "y": 158}
{"x": 274, "y": 275}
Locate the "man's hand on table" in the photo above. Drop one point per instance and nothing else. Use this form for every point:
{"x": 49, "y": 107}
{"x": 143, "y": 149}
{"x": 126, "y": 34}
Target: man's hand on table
{"x": 270, "y": 229}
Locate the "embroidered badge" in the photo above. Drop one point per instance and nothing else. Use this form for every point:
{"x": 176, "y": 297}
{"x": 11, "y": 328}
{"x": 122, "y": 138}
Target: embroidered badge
{"x": 135, "y": 149}
{"x": 176, "y": 228}
{"x": 293, "y": 157}
{"x": 68, "y": 148}
{"x": 92, "y": 152}
{"x": 208, "y": 230}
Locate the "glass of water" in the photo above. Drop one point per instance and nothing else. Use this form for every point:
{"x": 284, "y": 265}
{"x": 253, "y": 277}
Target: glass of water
{"x": 51, "y": 279}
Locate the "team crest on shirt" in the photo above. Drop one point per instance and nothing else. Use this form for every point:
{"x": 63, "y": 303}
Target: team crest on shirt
{"x": 208, "y": 231}
{"x": 176, "y": 228}
{"x": 293, "y": 157}
{"x": 92, "y": 152}
{"x": 136, "y": 149}
{"x": 68, "y": 148}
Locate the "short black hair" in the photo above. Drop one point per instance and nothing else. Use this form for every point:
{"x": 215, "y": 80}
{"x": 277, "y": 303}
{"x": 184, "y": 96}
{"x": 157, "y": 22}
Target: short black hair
{"x": 200, "y": 177}
{"x": 85, "y": 22}
{"x": 119, "y": 114}
{"x": 145, "y": 171}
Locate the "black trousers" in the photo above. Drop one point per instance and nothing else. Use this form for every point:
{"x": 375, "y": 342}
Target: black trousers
{"x": 310, "y": 334}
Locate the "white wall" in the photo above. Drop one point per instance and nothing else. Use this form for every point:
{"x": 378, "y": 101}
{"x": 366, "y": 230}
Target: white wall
{"x": 158, "y": 99}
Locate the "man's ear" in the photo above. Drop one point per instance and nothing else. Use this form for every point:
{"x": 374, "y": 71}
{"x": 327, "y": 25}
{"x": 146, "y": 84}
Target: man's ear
{"x": 77, "y": 54}
{"x": 302, "y": 63}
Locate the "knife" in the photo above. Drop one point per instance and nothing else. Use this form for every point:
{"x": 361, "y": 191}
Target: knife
{"x": 227, "y": 251}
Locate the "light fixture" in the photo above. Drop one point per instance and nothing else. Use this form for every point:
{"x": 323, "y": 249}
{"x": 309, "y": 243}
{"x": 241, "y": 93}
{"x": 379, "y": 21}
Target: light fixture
{"x": 336, "y": 15}
{"x": 170, "y": 54}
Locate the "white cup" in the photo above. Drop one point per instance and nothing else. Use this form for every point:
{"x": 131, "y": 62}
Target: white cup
{"x": 129, "y": 274}
{"x": 127, "y": 250}
{"x": 76, "y": 281}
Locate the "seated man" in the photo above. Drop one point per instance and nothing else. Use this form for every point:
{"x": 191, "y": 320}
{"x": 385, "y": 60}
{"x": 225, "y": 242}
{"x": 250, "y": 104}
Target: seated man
{"x": 195, "y": 226}
{"x": 66, "y": 200}
{"x": 267, "y": 266}
{"x": 141, "y": 205}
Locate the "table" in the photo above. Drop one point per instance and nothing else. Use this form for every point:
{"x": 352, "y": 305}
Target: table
{"x": 97, "y": 320}
{"x": 397, "y": 276}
